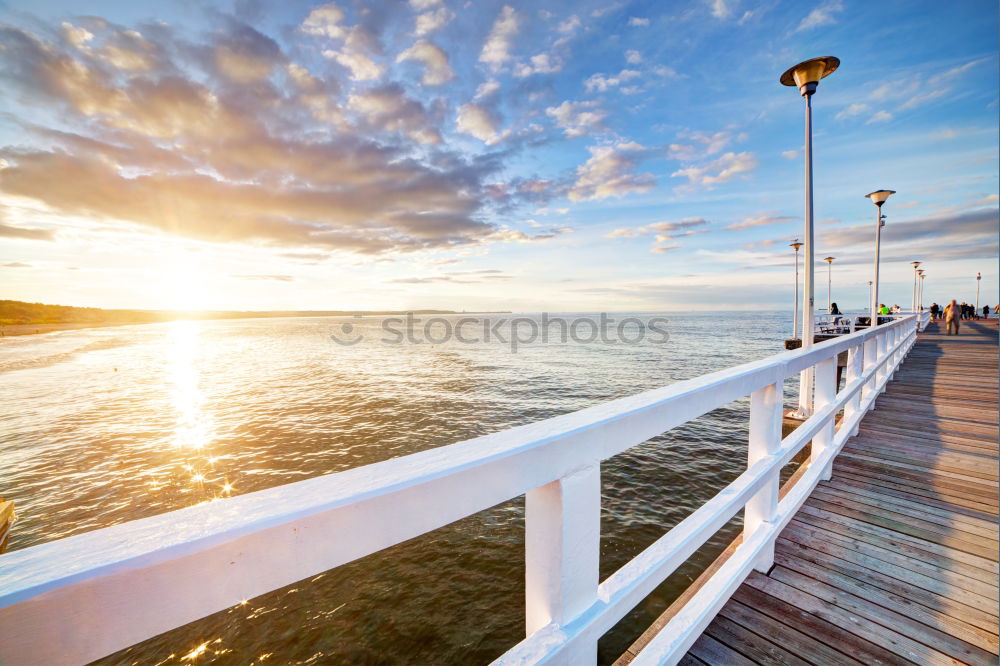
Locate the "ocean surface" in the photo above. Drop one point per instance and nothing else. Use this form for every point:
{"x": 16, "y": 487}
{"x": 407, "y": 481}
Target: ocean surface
{"x": 102, "y": 426}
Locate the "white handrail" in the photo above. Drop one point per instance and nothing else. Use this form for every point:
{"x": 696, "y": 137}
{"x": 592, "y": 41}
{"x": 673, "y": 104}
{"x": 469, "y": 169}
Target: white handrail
{"x": 80, "y": 598}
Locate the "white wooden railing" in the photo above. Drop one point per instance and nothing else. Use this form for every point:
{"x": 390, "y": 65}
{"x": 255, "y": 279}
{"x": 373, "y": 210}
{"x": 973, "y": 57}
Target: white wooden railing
{"x": 86, "y": 596}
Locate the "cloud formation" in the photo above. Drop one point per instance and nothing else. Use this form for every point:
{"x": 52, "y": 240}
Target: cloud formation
{"x": 236, "y": 146}
{"x": 610, "y": 172}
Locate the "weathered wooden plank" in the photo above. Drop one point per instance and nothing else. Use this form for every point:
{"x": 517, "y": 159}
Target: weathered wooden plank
{"x": 843, "y": 482}
{"x": 910, "y": 528}
{"x": 976, "y": 606}
{"x": 927, "y": 608}
{"x": 752, "y": 646}
{"x": 951, "y": 502}
{"x": 874, "y": 632}
{"x": 861, "y": 528}
{"x": 713, "y": 652}
{"x": 937, "y": 643}
{"x": 910, "y": 556}
{"x": 944, "y": 527}
{"x": 833, "y": 635}
{"x": 949, "y": 521}
{"x": 779, "y": 633}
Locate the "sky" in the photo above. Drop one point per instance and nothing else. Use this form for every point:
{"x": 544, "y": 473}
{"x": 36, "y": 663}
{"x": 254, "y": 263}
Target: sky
{"x": 559, "y": 156}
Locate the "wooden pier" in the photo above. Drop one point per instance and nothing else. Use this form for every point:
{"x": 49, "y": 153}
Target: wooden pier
{"x": 893, "y": 560}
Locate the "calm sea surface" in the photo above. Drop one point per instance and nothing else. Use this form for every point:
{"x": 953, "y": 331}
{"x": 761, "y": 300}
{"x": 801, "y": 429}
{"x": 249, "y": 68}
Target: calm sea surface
{"x": 102, "y": 426}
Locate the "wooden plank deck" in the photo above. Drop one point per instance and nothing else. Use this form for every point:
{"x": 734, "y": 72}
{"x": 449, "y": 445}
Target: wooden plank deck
{"x": 894, "y": 560}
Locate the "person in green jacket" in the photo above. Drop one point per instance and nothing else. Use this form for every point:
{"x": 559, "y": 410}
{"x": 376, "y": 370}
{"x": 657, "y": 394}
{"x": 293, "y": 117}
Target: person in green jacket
{"x": 882, "y": 309}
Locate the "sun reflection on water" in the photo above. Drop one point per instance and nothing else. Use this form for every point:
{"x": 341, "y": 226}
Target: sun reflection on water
{"x": 194, "y": 428}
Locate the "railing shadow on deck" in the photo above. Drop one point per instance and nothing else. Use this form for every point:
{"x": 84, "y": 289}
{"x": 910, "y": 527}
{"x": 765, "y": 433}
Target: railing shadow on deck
{"x": 83, "y": 597}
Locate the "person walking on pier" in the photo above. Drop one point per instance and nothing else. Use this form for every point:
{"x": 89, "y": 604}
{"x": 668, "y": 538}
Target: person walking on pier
{"x": 986, "y": 312}
{"x": 952, "y": 315}
{"x": 935, "y": 310}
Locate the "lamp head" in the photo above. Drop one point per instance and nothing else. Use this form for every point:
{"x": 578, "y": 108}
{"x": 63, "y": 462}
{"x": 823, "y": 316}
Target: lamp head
{"x": 878, "y": 197}
{"x": 915, "y": 264}
{"x": 806, "y": 75}
{"x": 796, "y": 245}
{"x": 829, "y": 260}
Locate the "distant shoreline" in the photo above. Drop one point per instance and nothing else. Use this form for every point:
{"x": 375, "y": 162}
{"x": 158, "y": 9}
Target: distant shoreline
{"x": 12, "y": 330}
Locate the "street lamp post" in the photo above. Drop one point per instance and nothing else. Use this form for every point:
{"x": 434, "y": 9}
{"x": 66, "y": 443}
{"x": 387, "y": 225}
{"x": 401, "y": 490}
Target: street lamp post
{"x": 878, "y": 197}
{"x": 913, "y": 303}
{"x": 979, "y": 278}
{"x": 869, "y": 292}
{"x": 806, "y": 77}
{"x": 795, "y": 313}
{"x": 829, "y": 282}
{"x": 920, "y": 291}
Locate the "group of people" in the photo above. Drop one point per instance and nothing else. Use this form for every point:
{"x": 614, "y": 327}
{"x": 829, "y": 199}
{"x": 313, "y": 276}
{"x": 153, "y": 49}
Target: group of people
{"x": 954, "y": 312}
{"x": 962, "y": 310}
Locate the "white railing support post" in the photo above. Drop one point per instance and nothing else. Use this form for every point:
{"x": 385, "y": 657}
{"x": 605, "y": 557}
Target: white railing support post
{"x": 870, "y": 358}
{"x": 765, "y": 438}
{"x": 562, "y": 553}
{"x": 855, "y": 363}
{"x": 826, "y": 392}
{"x": 881, "y": 346}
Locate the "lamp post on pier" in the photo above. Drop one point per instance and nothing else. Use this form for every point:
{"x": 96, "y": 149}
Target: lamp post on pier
{"x": 979, "y": 278}
{"x": 913, "y": 303}
{"x": 806, "y": 77}
{"x": 829, "y": 282}
{"x": 795, "y": 313}
{"x": 869, "y": 291}
{"x": 920, "y": 290}
{"x": 878, "y": 197}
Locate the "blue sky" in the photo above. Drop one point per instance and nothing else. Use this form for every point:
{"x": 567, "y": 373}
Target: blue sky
{"x": 490, "y": 155}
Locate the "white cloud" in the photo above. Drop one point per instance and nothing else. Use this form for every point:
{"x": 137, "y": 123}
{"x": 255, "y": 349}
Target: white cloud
{"x": 325, "y": 20}
{"x": 570, "y": 25}
{"x": 610, "y": 172}
{"x": 710, "y": 144}
{"x": 421, "y": 5}
{"x": 760, "y": 220}
{"x": 633, "y": 57}
{"x": 855, "y": 109}
{"x": 602, "y": 83}
{"x": 577, "y": 118}
{"x": 663, "y": 231}
{"x": 721, "y": 8}
{"x": 428, "y": 22}
{"x": 77, "y": 36}
{"x": 879, "y": 117}
{"x": 790, "y": 154}
{"x": 496, "y": 50}
{"x": 720, "y": 170}
{"x": 542, "y": 63}
{"x": 666, "y": 72}
{"x": 388, "y": 108}
{"x": 435, "y": 60}
{"x": 660, "y": 249}
{"x": 478, "y": 121}
{"x": 637, "y": 22}
{"x": 822, "y": 15}
{"x": 487, "y": 88}
{"x": 362, "y": 67}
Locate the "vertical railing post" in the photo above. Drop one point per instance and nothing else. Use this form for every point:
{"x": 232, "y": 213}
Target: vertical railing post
{"x": 826, "y": 393}
{"x": 894, "y": 360}
{"x": 562, "y": 554}
{"x": 855, "y": 361}
{"x": 765, "y": 438}
{"x": 881, "y": 346}
{"x": 870, "y": 358}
